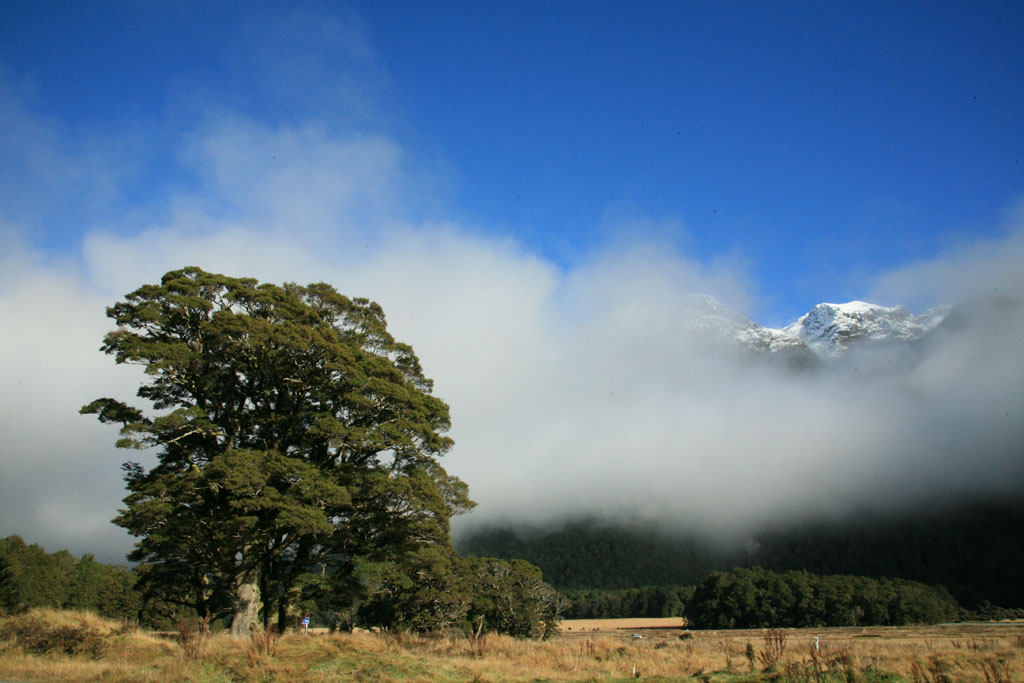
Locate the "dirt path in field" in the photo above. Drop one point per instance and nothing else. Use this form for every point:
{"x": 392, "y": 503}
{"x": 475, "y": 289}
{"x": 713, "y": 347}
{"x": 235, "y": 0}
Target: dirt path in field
{"x": 587, "y": 625}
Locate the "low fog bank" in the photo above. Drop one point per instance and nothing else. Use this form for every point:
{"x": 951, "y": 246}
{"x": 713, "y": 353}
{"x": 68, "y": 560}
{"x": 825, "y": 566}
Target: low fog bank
{"x": 634, "y": 414}
{"x": 600, "y": 391}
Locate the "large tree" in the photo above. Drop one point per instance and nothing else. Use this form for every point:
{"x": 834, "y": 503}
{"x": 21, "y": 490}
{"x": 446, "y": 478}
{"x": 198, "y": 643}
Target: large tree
{"x": 292, "y": 430}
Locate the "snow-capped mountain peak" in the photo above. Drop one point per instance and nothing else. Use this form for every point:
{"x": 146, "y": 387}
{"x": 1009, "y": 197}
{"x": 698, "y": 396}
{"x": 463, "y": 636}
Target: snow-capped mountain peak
{"x": 825, "y": 334}
{"x": 707, "y": 317}
{"x": 829, "y": 329}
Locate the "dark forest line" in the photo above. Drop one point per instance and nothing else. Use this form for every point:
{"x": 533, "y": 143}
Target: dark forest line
{"x": 973, "y": 550}
{"x": 740, "y": 598}
{"x": 486, "y": 594}
{"x": 961, "y": 562}
{"x": 32, "y": 577}
{"x": 506, "y": 596}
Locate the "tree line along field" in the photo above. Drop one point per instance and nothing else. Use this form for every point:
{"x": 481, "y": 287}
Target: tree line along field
{"x": 490, "y": 595}
{"x": 44, "y": 645}
{"x": 486, "y": 595}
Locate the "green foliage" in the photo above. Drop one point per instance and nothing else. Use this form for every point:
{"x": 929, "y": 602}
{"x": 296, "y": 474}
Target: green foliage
{"x": 758, "y": 598}
{"x": 973, "y": 548}
{"x": 512, "y": 598}
{"x": 292, "y": 432}
{"x": 417, "y": 591}
{"x": 36, "y": 578}
{"x": 8, "y": 588}
{"x": 989, "y": 612}
{"x": 429, "y": 589}
{"x": 643, "y": 602}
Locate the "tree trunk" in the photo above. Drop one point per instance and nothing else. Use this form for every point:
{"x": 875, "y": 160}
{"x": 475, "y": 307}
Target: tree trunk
{"x": 266, "y": 594}
{"x": 247, "y": 604}
{"x": 282, "y": 614}
{"x": 300, "y": 560}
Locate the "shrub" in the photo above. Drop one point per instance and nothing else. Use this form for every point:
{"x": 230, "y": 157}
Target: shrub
{"x": 36, "y": 636}
{"x": 191, "y": 637}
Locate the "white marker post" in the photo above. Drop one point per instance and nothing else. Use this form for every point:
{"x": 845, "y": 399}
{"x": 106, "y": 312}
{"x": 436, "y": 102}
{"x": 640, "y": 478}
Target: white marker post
{"x": 305, "y": 626}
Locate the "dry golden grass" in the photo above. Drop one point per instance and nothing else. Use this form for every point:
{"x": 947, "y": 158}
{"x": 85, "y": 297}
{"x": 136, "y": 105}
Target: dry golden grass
{"x": 970, "y": 653}
{"x": 57, "y": 618}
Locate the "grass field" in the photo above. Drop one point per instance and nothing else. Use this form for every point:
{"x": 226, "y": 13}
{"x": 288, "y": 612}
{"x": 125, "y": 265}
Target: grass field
{"x": 46, "y": 645}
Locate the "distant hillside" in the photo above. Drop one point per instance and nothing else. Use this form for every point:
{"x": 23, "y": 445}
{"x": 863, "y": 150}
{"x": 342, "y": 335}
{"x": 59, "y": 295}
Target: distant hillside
{"x": 975, "y": 550}
{"x": 590, "y": 554}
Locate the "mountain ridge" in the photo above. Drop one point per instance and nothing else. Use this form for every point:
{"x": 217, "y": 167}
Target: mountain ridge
{"x": 826, "y": 333}
{"x": 830, "y": 329}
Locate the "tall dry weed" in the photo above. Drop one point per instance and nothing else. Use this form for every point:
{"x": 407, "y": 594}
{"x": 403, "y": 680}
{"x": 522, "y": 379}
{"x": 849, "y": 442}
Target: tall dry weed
{"x": 933, "y": 670}
{"x": 477, "y": 644}
{"x": 996, "y": 670}
{"x": 261, "y": 645}
{"x": 192, "y": 637}
{"x": 774, "y": 647}
{"x": 845, "y": 654}
{"x": 828, "y": 663}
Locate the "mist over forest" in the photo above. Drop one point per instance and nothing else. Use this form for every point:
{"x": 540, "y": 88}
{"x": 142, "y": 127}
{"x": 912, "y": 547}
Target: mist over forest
{"x": 972, "y": 549}
{"x": 900, "y": 459}
{"x": 634, "y": 413}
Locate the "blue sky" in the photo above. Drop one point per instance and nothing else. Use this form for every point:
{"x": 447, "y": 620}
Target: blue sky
{"x": 823, "y": 143}
{"x": 531, "y": 190}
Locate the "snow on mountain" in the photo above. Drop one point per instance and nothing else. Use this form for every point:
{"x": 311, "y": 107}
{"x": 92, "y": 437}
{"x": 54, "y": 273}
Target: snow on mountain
{"x": 826, "y": 332}
{"x": 830, "y": 329}
{"x": 707, "y": 316}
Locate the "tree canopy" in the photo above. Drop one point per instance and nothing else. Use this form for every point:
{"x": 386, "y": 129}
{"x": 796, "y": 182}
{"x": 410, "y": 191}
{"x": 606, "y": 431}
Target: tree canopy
{"x": 756, "y": 598}
{"x": 292, "y": 432}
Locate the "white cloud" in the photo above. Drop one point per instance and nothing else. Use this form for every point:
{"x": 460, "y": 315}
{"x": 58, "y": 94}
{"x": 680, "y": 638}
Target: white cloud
{"x": 296, "y": 177}
{"x": 59, "y": 479}
{"x": 969, "y": 270}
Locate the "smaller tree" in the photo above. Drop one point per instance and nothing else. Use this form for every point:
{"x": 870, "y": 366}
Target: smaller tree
{"x": 419, "y": 590}
{"x": 31, "y": 577}
{"x": 512, "y": 598}
{"x": 8, "y": 595}
{"x": 116, "y": 597}
{"x": 40, "y": 579}
{"x": 86, "y": 583}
